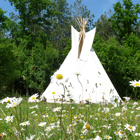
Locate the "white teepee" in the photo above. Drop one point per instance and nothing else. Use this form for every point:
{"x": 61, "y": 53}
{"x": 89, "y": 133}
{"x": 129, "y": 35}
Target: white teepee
{"x": 84, "y": 78}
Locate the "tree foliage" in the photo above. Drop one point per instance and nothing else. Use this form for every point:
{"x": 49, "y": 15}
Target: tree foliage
{"x": 125, "y": 18}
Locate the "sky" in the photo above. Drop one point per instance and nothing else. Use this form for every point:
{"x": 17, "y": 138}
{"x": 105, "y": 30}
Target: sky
{"x": 97, "y": 7}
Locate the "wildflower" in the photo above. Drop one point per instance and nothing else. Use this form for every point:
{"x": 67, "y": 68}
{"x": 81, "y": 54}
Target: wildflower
{"x": 42, "y": 124}
{"x": 135, "y": 103}
{"x": 130, "y": 128}
{"x": 57, "y": 109}
{"x": 119, "y": 124}
{"x": 135, "y": 83}
{"x": 45, "y": 116}
{"x": 5, "y": 100}
{"x": 77, "y": 73}
{"x": 99, "y": 109}
{"x": 17, "y": 133}
{"x": 137, "y": 134}
{"x": 106, "y": 110}
{"x": 121, "y": 133}
{"x": 124, "y": 108}
{"x": 137, "y": 115}
{"x": 9, "y": 119}
{"x": 69, "y": 130}
{"x": 107, "y": 137}
{"x": 25, "y": 123}
{"x": 117, "y": 114}
{"x": 107, "y": 126}
{"x": 116, "y": 133}
{"x": 84, "y": 131}
{"x": 4, "y": 134}
{"x": 126, "y": 98}
{"x": 33, "y": 112}
{"x": 49, "y": 128}
{"x": 22, "y": 129}
{"x": 138, "y": 108}
{"x": 33, "y": 98}
{"x": 14, "y": 102}
{"x": 31, "y": 137}
{"x": 34, "y": 107}
{"x": 94, "y": 131}
{"x": 97, "y": 138}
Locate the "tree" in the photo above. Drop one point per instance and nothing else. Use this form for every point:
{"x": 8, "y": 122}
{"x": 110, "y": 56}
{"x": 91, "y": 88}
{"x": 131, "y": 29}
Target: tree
{"x": 33, "y": 16}
{"x": 104, "y": 26}
{"x": 125, "y": 18}
{"x": 3, "y": 25}
{"x": 9, "y": 65}
{"x": 38, "y": 64}
{"x": 80, "y": 10}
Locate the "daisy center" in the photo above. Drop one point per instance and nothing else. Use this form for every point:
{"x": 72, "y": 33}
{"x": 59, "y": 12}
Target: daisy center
{"x": 121, "y": 132}
{"x": 59, "y": 76}
{"x": 53, "y": 92}
{"x": 87, "y": 126}
{"x": 130, "y": 127}
{"x": 137, "y": 84}
{"x": 33, "y": 98}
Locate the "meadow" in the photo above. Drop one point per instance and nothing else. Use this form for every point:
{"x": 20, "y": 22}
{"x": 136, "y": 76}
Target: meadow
{"x": 36, "y": 119}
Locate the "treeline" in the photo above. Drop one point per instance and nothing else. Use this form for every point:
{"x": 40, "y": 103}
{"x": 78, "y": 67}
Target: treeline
{"x": 34, "y": 43}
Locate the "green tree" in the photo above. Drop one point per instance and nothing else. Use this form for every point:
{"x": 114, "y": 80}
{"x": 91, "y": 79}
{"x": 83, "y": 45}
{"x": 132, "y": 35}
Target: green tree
{"x": 125, "y": 19}
{"x": 9, "y": 66}
{"x": 104, "y": 26}
{"x": 119, "y": 63}
{"x": 38, "y": 64}
{"x": 33, "y": 19}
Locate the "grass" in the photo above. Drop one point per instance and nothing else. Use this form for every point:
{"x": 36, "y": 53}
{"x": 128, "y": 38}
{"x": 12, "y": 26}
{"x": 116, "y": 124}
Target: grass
{"x": 72, "y": 121}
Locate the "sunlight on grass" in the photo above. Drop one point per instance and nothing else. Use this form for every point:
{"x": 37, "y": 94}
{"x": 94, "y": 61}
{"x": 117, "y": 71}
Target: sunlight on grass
{"x": 41, "y": 120}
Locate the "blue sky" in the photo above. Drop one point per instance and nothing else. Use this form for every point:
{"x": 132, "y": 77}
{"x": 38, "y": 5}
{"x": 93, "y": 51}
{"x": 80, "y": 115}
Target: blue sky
{"x": 97, "y": 7}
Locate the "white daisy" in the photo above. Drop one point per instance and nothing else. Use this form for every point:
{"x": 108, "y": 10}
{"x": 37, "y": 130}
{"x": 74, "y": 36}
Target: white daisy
{"x": 117, "y": 114}
{"x": 121, "y": 133}
{"x": 138, "y": 108}
{"x": 57, "y": 109}
{"x": 106, "y": 110}
{"x": 107, "y": 137}
{"x": 14, "y": 102}
{"x": 126, "y": 98}
{"x": 137, "y": 134}
{"x": 97, "y": 138}
{"x": 130, "y": 128}
{"x": 25, "y": 123}
{"x": 9, "y": 119}
{"x": 135, "y": 83}
{"x": 34, "y": 107}
{"x": 107, "y": 126}
{"x": 42, "y": 124}
{"x": 33, "y": 98}
{"x": 31, "y": 137}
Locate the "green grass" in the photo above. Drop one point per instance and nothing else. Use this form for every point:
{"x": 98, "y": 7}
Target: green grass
{"x": 72, "y": 116}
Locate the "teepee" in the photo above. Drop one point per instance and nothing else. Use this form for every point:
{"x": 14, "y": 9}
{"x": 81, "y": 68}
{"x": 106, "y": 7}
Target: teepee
{"x": 84, "y": 78}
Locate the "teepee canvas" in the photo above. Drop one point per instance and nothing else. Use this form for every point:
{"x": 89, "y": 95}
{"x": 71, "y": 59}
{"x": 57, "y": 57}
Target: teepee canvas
{"x": 84, "y": 78}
